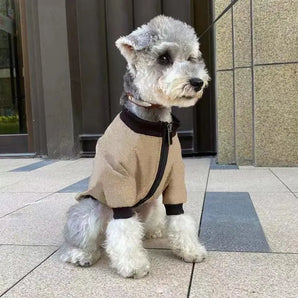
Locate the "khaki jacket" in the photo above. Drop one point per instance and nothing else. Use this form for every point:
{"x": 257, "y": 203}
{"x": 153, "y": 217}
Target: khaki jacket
{"x": 137, "y": 160}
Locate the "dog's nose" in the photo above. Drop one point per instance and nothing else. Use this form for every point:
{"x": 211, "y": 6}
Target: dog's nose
{"x": 196, "y": 83}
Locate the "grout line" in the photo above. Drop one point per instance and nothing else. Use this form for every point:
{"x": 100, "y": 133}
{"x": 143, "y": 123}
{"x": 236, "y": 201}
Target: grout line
{"x": 282, "y": 253}
{"x": 252, "y": 83}
{"x": 29, "y": 204}
{"x": 255, "y": 252}
{"x": 234, "y": 87}
{"x": 253, "y": 65}
{"x": 257, "y": 64}
{"x": 193, "y": 265}
{"x": 225, "y": 251}
{"x": 204, "y": 198}
{"x": 34, "y": 245}
{"x": 275, "y": 63}
{"x": 28, "y": 273}
{"x": 236, "y": 67}
{"x": 283, "y": 183}
{"x": 190, "y": 281}
{"x": 158, "y": 248}
{"x": 242, "y": 67}
{"x": 225, "y": 69}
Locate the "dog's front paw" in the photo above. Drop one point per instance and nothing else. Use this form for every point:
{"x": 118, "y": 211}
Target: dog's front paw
{"x": 197, "y": 254}
{"x": 134, "y": 268}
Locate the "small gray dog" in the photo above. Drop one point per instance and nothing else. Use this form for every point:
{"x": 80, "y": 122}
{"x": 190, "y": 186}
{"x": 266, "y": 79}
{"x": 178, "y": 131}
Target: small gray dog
{"x": 139, "y": 157}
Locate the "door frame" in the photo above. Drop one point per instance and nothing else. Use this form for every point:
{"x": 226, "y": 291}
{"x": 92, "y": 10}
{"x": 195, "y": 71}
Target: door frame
{"x": 21, "y": 143}
{"x": 204, "y": 142}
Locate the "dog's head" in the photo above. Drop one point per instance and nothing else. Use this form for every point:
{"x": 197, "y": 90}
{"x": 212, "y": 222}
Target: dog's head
{"x": 165, "y": 62}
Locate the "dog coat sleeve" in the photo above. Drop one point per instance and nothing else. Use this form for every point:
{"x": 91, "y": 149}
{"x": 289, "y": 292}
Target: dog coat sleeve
{"x": 174, "y": 194}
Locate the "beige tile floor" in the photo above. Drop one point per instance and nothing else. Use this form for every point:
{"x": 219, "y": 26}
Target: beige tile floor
{"x": 32, "y": 214}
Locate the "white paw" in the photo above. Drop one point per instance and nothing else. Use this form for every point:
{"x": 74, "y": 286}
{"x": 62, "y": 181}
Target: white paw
{"x": 134, "y": 268}
{"x": 78, "y": 256}
{"x": 196, "y": 254}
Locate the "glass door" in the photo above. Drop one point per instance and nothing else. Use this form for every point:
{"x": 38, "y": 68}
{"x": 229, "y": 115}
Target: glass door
{"x": 13, "y": 129}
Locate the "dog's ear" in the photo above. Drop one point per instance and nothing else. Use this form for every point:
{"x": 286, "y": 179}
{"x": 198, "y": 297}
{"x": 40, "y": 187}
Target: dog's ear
{"x": 138, "y": 40}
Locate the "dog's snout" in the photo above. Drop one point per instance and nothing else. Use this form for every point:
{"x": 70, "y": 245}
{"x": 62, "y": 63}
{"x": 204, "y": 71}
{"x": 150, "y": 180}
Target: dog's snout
{"x": 196, "y": 83}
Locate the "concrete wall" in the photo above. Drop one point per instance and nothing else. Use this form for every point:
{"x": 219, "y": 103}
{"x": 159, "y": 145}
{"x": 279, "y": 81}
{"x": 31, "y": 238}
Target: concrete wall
{"x": 257, "y": 88}
{"x": 49, "y": 71}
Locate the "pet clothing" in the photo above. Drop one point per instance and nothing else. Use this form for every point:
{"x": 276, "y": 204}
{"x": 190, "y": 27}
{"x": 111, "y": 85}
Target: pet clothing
{"x": 138, "y": 160}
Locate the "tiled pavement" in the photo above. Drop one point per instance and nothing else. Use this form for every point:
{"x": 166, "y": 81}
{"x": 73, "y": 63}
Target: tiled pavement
{"x": 249, "y": 224}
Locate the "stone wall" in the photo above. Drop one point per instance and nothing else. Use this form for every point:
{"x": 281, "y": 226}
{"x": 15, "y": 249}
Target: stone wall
{"x": 256, "y": 82}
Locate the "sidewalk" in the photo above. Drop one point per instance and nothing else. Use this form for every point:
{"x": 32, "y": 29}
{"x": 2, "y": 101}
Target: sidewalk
{"x": 248, "y": 222}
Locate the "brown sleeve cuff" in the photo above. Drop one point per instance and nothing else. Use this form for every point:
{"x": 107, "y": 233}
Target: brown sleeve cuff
{"x": 175, "y": 209}
{"x": 125, "y": 212}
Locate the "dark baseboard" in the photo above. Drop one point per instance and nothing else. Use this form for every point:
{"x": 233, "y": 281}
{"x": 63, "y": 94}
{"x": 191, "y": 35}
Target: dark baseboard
{"x": 14, "y": 143}
{"x": 88, "y": 143}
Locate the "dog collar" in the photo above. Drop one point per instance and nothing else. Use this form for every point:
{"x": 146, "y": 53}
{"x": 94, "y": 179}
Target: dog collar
{"x": 148, "y": 128}
{"x": 142, "y": 104}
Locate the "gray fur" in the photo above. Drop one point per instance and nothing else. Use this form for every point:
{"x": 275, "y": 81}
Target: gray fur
{"x": 150, "y": 82}
{"x": 155, "y": 114}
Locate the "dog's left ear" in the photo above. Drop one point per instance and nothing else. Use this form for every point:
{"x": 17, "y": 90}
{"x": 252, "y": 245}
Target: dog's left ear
{"x": 138, "y": 40}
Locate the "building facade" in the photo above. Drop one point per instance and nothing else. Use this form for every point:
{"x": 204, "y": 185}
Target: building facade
{"x": 72, "y": 76}
{"x": 257, "y": 85}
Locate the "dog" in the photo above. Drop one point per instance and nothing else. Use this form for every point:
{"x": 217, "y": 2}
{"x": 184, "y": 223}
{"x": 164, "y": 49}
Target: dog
{"x": 139, "y": 157}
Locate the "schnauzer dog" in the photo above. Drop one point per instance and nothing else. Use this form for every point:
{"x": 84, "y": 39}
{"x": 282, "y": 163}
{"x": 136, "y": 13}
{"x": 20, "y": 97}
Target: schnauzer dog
{"x": 138, "y": 159}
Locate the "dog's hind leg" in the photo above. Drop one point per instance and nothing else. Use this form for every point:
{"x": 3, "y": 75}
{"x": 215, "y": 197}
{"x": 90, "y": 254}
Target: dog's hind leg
{"x": 154, "y": 216}
{"x": 183, "y": 238}
{"x": 84, "y": 232}
{"x": 125, "y": 248}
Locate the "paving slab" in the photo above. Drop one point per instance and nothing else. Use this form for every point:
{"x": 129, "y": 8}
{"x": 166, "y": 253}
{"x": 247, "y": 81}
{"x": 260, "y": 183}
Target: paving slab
{"x": 245, "y": 275}
{"x": 17, "y": 261}
{"x": 289, "y": 176}
{"x": 8, "y": 164}
{"x": 83, "y": 164}
{"x": 196, "y": 173}
{"x": 194, "y": 205}
{"x": 230, "y": 223}
{"x": 51, "y": 178}
{"x": 277, "y": 213}
{"x": 10, "y": 202}
{"x": 40, "y": 223}
{"x": 9, "y": 179}
{"x": 80, "y": 166}
{"x": 169, "y": 277}
{"x": 244, "y": 181}
{"x": 33, "y": 166}
{"x": 253, "y": 168}
{"x": 76, "y": 187}
{"x": 216, "y": 166}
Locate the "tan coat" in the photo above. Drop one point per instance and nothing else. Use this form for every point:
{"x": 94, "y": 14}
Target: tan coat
{"x": 127, "y": 161}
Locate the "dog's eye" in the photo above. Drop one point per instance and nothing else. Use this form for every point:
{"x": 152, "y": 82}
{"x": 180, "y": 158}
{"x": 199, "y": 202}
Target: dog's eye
{"x": 192, "y": 59}
{"x": 165, "y": 59}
